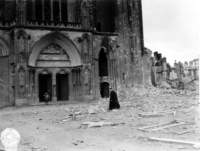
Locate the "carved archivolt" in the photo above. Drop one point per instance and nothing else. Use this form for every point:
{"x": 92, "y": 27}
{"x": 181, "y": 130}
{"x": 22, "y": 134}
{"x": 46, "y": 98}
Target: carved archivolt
{"x": 55, "y": 49}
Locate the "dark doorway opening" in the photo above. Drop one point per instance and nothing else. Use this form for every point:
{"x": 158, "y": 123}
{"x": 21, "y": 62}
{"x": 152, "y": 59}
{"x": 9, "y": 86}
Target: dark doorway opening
{"x": 103, "y": 63}
{"x": 104, "y": 89}
{"x": 62, "y": 87}
{"x": 45, "y": 86}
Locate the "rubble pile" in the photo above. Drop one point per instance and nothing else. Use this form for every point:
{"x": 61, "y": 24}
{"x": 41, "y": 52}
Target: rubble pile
{"x": 140, "y": 91}
{"x": 192, "y": 85}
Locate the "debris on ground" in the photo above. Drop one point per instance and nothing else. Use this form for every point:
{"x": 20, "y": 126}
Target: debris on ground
{"x": 190, "y": 88}
{"x": 161, "y": 126}
{"x": 77, "y": 142}
{"x": 144, "y": 111}
{"x": 100, "y": 124}
{"x": 194, "y": 144}
{"x": 149, "y": 115}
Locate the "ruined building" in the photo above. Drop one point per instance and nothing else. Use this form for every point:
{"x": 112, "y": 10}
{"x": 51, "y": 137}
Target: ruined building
{"x": 71, "y": 49}
{"x": 177, "y": 76}
{"x": 191, "y": 69}
{"x": 160, "y": 70}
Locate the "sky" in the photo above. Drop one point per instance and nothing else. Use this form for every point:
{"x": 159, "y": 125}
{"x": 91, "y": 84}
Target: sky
{"x": 172, "y": 27}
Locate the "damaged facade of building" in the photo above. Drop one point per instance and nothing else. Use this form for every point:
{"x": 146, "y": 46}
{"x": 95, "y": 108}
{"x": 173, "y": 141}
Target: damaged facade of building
{"x": 176, "y": 76}
{"x": 71, "y": 49}
{"x": 160, "y": 69}
{"x": 191, "y": 69}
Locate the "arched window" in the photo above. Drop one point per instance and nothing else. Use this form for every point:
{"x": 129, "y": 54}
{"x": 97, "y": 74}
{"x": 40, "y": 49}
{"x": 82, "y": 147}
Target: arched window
{"x": 29, "y": 10}
{"x": 38, "y": 8}
{"x": 105, "y": 19}
{"x": 47, "y": 10}
{"x": 56, "y": 11}
{"x": 2, "y": 3}
{"x": 53, "y": 10}
{"x": 64, "y": 11}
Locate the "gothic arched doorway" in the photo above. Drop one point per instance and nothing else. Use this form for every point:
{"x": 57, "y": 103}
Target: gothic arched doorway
{"x": 103, "y": 73}
{"x": 103, "y": 63}
{"x": 55, "y": 53}
{"x": 62, "y": 86}
{"x": 104, "y": 89}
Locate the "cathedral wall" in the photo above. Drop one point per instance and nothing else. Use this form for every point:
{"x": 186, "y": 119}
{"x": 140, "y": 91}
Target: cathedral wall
{"x": 6, "y": 88}
{"x": 108, "y": 42}
{"x": 130, "y": 43}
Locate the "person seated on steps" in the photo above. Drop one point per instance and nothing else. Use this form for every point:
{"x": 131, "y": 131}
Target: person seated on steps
{"x": 46, "y": 97}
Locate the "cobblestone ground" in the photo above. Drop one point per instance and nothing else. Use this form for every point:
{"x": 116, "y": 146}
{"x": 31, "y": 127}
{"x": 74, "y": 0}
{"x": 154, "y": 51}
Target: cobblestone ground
{"x": 59, "y": 127}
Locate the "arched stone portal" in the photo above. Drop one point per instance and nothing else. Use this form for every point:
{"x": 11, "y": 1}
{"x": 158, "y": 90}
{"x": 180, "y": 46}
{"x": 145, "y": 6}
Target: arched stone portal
{"x": 57, "y": 54}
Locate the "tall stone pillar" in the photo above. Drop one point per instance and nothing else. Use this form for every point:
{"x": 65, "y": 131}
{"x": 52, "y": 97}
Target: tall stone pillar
{"x": 36, "y": 90}
{"x": 71, "y": 93}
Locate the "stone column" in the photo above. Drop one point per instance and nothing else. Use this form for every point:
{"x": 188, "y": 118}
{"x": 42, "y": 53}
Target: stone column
{"x": 36, "y": 91}
{"x": 70, "y": 86}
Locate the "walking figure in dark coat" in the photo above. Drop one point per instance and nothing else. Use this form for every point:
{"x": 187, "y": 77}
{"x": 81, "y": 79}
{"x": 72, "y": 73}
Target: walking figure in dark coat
{"x": 46, "y": 97}
{"x": 114, "y": 103}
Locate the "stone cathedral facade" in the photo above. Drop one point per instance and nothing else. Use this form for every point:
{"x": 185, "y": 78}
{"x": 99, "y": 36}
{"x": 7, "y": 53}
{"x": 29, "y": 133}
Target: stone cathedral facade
{"x": 72, "y": 49}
